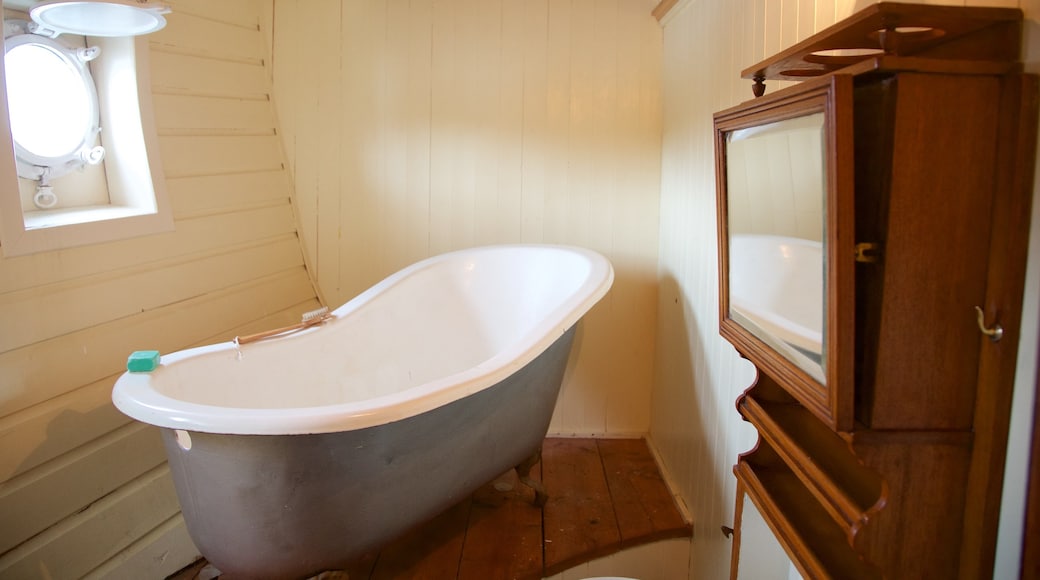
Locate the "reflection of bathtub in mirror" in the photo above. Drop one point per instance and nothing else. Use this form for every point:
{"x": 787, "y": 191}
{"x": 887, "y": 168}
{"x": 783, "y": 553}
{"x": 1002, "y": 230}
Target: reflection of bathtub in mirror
{"x": 776, "y": 285}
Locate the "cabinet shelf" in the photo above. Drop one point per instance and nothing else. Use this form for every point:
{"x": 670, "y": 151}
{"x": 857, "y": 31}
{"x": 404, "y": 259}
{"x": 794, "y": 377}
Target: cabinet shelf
{"x": 820, "y": 459}
{"x": 807, "y": 531}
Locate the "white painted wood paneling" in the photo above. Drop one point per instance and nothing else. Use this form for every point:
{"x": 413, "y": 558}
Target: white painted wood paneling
{"x": 97, "y": 352}
{"x": 239, "y": 220}
{"x": 235, "y": 13}
{"x": 42, "y": 497}
{"x": 188, "y": 114}
{"x": 207, "y": 76}
{"x": 231, "y": 194}
{"x": 416, "y": 127}
{"x": 161, "y": 552}
{"x": 84, "y": 491}
{"x": 79, "y": 542}
{"x": 137, "y": 290}
{"x": 193, "y": 156}
{"x": 695, "y": 426}
{"x": 225, "y": 31}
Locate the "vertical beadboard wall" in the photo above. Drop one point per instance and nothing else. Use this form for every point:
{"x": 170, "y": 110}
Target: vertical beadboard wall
{"x": 698, "y": 377}
{"x": 84, "y": 491}
{"x": 418, "y": 127}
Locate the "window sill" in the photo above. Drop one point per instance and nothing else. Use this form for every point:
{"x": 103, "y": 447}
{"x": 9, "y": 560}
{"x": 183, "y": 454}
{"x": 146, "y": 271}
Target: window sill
{"x": 56, "y": 229}
{"x": 66, "y": 217}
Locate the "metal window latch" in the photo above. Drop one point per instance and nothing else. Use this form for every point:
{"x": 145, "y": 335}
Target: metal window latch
{"x": 995, "y": 333}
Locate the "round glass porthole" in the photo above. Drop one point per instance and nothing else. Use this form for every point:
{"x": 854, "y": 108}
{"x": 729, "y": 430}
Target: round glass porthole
{"x": 52, "y": 104}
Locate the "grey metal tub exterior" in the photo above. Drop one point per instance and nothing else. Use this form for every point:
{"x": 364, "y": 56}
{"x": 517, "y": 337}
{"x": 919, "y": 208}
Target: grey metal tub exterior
{"x": 284, "y": 506}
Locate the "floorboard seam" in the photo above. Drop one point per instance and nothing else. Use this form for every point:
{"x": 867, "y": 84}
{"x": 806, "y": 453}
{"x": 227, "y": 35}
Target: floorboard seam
{"x": 610, "y": 493}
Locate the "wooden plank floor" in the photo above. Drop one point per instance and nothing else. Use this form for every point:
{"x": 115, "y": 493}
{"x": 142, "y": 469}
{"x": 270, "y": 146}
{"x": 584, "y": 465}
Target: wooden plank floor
{"x": 604, "y": 495}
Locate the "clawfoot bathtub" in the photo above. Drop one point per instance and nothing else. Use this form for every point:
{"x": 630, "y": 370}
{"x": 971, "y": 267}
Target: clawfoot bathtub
{"x": 297, "y": 454}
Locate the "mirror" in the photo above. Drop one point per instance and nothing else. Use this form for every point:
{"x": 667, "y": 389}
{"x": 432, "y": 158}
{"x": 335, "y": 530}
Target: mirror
{"x": 775, "y": 186}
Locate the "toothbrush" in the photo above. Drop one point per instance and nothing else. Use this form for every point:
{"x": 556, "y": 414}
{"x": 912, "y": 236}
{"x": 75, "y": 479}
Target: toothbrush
{"x": 308, "y": 320}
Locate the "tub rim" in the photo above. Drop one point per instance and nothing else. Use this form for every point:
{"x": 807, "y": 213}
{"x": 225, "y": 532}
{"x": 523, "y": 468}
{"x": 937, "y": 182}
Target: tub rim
{"x": 134, "y": 395}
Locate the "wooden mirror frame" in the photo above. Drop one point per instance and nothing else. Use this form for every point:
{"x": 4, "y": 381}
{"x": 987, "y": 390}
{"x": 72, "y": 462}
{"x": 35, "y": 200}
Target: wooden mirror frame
{"x": 833, "y": 400}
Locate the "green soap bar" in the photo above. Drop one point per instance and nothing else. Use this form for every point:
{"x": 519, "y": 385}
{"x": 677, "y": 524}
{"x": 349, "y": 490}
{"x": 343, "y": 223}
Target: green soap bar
{"x": 142, "y": 361}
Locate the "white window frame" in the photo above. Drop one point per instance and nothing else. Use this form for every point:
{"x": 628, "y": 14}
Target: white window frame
{"x": 137, "y": 186}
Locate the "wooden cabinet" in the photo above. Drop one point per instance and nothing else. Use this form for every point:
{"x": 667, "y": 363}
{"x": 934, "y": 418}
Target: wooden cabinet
{"x": 882, "y": 429}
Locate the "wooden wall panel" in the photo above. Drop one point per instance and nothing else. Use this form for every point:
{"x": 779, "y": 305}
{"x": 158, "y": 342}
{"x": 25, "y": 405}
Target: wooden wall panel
{"x": 236, "y": 225}
{"x": 183, "y": 114}
{"x": 236, "y": 13}
{"x": 84, "y": 490}
{"x": 230, "y": 194}
{"x": 195, "y": 155}
{"x": 48, "y": 431}
{"x": 167, "y": 542}
{"x": 415, "y": 128}
{"x": 45, "y": 427}
{"x": 207, "y": 76}
{"x": 110, "y": 523}
{"x": 224, "y": 32}
{"x": 694, "y": 425}
{"x": 137, "y": 290}
{"x": 39, "y": 499}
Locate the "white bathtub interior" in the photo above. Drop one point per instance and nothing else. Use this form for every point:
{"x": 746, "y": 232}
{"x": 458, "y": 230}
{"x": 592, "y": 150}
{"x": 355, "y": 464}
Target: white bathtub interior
{"x": 434, "y": 329}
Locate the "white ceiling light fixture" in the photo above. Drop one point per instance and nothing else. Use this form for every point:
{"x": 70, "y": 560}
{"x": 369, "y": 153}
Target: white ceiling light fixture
{"x": 98, "y": 17}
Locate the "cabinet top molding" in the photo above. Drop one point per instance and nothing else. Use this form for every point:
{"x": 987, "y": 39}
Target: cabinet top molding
{"x": 888, "y": 32}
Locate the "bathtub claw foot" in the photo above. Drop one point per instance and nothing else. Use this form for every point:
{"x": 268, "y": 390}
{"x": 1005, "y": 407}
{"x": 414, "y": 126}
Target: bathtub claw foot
{"x": 540, "y": 496}
{"x": 523, "y": 471}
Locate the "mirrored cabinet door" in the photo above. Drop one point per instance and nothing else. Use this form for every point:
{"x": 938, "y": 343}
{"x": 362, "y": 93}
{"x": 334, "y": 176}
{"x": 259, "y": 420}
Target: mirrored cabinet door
{"x": 783, "y": 165}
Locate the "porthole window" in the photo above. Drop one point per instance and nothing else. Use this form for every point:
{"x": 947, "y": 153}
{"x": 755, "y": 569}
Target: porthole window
{"x": 76, "y": 82}
{"x": 53, "y": 109}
